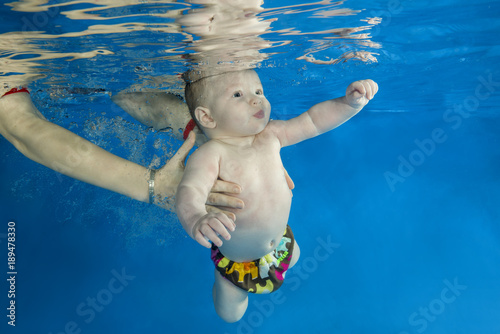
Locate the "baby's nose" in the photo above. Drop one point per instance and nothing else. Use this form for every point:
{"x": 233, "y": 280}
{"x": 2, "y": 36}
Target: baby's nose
{"x": 256, "y": 101}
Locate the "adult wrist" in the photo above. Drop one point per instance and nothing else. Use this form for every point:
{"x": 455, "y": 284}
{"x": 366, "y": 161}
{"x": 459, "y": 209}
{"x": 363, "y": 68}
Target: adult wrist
{"x": 189, "y": 127}
{"x": 16, "y": 90}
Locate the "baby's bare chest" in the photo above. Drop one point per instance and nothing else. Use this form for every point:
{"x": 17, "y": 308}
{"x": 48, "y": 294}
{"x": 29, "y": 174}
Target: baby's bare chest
{"x": 251, "y": 166}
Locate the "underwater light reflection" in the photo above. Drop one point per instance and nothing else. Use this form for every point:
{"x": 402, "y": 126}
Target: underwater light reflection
{"x": 199, "y": 33}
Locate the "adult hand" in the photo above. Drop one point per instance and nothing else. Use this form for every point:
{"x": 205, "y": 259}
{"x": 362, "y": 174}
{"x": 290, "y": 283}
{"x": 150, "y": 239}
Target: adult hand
{"x": 170, "y": 175}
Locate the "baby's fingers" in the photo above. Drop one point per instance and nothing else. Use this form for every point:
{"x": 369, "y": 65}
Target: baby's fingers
{"x": 200, "y": 238}
{"x": 362, "y": 88}
{"x": 213, "y": 209}
{"x": 371, "y": 88}
{"x": 210, "y": 234}
{"x": 375, "y": 87}
{"x": 356, "y": 90}
{"x": 213, "y": 226}
{"x": 221, "y": 224}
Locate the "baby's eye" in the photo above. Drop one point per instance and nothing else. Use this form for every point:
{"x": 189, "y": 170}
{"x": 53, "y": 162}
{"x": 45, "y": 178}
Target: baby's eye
{"x": 259, "y": 92}
{"x": 237, "y": 94}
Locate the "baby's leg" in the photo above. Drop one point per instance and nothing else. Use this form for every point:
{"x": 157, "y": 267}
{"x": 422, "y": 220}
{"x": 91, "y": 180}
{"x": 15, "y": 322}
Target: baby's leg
{"x": 230, "y": 301}
{"x": 295, "y": 255}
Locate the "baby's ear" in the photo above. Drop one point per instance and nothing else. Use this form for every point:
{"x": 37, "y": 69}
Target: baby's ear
{"x": 204, "y": 117}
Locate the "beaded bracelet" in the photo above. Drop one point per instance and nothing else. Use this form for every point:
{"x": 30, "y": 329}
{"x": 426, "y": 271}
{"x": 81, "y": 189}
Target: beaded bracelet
{"x": 151, "y": 184}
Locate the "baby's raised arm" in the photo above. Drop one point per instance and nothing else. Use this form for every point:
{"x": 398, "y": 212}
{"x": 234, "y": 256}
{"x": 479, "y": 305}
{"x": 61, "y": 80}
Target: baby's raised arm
{"x": 327, "y": 115}
{"x": 200, "y": 174}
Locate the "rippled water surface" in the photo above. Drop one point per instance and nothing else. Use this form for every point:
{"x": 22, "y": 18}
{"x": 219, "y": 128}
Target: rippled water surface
{"x": 120, "y": 42}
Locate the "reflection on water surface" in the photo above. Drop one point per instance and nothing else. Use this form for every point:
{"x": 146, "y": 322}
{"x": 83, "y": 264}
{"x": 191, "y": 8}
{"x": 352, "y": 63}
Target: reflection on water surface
{"x": 89, "y": 42}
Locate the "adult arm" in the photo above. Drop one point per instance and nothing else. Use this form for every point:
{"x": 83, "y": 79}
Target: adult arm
{"x": 65, "y": 152}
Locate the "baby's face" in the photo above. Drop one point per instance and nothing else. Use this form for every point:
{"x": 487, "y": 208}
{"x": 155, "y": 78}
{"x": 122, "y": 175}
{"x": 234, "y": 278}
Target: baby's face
{"x": 238, "y": 105}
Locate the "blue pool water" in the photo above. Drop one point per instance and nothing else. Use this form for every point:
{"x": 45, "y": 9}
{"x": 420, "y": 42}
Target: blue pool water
{"x": 397, "y": 212}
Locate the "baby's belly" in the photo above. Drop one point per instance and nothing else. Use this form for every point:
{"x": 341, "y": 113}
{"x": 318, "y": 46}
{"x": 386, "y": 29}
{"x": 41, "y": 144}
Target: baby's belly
{"x": 260, "y": 226}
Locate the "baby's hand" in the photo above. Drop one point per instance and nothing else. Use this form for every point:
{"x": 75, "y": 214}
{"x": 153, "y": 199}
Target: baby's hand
{"x": 211, "y": 226}
{"x": 360, "y": 92}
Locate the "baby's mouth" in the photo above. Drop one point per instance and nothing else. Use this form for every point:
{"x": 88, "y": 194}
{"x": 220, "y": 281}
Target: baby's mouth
{"x": 259, "y": 114}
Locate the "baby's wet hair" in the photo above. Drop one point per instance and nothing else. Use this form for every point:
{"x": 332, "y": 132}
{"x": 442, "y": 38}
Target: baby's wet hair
{"x": 199, "y": 85}
{"x": 194, "y": 93}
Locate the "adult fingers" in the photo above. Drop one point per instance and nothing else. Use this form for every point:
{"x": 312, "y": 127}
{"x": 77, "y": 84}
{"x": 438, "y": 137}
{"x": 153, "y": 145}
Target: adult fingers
{"x": 221, "y": 186}
{"x": 217, "y": 199}
{"x": 289, "y": 180}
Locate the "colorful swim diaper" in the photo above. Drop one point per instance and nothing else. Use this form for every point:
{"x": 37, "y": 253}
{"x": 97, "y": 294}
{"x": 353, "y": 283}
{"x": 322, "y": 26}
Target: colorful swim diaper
{"x": 264, "y": 275}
